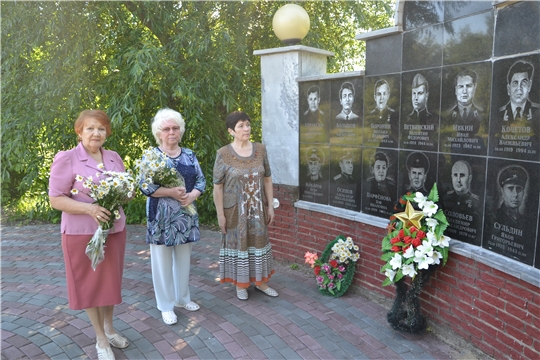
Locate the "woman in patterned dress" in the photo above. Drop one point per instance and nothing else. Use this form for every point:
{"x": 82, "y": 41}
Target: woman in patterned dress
{"x": 243, "y": 197}
{"x": 171, "y": 230}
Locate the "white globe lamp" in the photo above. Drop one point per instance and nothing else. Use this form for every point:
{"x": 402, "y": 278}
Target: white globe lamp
{"x": 291, "y": 24}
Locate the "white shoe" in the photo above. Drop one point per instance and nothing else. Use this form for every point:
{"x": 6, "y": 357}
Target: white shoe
{"x": 169, "y": 317}
{"x": 105, "y": 354}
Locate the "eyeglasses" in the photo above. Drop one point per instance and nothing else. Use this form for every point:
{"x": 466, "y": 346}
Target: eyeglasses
{"x": 167, "y": 129}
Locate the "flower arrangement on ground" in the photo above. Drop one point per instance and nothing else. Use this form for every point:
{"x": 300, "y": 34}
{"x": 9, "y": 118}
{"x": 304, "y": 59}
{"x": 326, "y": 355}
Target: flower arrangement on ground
{"x": 414, "y": 244}
{"x": 334, "y": 271}
{"x": 111, "y": 190}
{"x": 157, "y": 168}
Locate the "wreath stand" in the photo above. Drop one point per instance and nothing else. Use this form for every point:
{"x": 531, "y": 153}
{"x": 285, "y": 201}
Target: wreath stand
{"x": 406, "y": 314}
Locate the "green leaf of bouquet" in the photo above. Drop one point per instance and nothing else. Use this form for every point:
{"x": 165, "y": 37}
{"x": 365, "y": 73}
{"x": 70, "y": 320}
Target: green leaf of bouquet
{"x": 440, "y": 217}
{"x": 387, "y": 282}
{"x": 444, "y": 253}
{"x": 399, "y": 276}
{"x": 338, "y": 286}
{"x": 434, "y": 194}
{"x": 387, "y": 256}
{"x": 385, "y": 266}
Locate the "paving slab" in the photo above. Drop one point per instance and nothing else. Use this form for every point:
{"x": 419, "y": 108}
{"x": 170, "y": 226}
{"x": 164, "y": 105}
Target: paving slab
{"x": 301, "y": 323}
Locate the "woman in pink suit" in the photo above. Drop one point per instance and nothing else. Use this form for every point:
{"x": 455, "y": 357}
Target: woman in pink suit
{"x": 95, "y": 291}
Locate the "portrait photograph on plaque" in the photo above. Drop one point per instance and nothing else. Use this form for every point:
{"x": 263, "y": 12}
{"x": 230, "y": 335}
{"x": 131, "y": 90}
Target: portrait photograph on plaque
{"x": 515, "y": 113}
{"x": 420, "y": 107}
{"x": 381, "y": 114}
{"x": 345, "y": 177}
{"x": 511, "y": 209}
{"x": 417, "y": 172}
{"x": 314, "y": 111}
{"x": 461, "y": 184}
{"x": 346, "y": 111}
{"x": 379, "y": 188}
{"x": 465, "y": 109}
{"x": 314, "y": 173}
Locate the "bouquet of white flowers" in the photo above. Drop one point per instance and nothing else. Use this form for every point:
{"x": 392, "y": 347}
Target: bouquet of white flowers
{"x": 112, "y": 190}
{"x": 156, "y": 168}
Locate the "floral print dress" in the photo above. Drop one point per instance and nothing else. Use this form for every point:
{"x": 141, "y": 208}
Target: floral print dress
{"x": 167, "y": 221}
{"x": 246, "y": 254}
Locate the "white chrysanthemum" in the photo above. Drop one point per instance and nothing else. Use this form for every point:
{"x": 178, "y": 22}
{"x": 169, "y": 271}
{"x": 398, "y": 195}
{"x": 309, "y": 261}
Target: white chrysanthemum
{"x": 101, "y": 166}
{"x": 79, "y": 178}
{"x": 74, "y": 191}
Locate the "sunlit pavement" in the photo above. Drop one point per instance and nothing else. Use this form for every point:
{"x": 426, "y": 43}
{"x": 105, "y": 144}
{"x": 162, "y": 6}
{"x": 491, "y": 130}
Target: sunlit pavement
{"x": 299, "y": 324}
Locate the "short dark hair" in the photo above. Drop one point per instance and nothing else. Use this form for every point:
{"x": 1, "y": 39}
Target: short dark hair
{"x": 346, "y": 85}
{"x": 314, "y": 89}
{"x": 235, "y": 117}
{"x": 380, "y": 83}
{"x": 520, "y": 66}
{"x": 471, "y": 73}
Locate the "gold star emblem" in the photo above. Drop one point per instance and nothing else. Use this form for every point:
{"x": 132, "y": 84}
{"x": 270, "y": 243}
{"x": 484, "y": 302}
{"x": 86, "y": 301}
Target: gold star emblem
{"x": 410, "y": 216}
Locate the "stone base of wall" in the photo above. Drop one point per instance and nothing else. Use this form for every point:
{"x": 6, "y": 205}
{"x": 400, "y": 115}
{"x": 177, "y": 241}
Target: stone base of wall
{"x": 496, "y": 312}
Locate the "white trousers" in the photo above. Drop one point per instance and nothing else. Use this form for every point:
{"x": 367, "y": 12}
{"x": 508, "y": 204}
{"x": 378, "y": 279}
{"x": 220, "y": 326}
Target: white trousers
{"x": 170, "y": 274}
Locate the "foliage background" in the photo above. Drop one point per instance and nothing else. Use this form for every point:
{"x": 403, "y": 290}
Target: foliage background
{"x": 131, "y": 58}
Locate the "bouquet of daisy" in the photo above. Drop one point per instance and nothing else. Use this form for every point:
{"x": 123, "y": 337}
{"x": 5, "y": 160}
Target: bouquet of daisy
{"x": 157, "y": 168}
{"x": 335, "y": 270}
{"x": 415, "y": 239}
{"x": 111, "y": 189}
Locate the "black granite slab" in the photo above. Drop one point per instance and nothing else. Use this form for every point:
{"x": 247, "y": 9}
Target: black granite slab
{"x": 518, "y": 26}
{"x": 423, "y": 48}
{"x": 420, "y": 108}
{"x": 456, "y": 9}
{"x": 383, "y": 55}
{"x": 511, "y": 136}
{"x": 346, "y": 111}
{"x": 461, "y": 186}
{"x": 468, "y": 39}
{"x": 314, "y": 173}
{"x": 465, "y": 108}
{"x": 381, "y": 111}
{"x": 314, "y": 105}
{"x": 511, "y": 210}
{"x": 345, "y": 177}
{"x": 420, "y": 13}
{"x": 379, "y": 190}
{"x": 417, "y": 172}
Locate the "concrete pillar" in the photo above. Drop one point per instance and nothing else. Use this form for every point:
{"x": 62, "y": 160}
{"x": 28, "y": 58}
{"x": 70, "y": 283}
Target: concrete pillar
{"x": 280, "y": 68}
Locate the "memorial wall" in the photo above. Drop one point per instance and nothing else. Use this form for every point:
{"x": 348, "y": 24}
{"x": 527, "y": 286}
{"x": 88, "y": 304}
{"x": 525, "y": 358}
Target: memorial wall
{"x": 457, "y": 104}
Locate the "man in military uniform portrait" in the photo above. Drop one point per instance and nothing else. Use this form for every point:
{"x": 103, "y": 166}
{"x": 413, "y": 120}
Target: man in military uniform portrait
{"x": 461, "y": 199}
{"x": 420, "y": 95}
{"x": 465, "y": 111}
{"x": 346, "y": 98}
{"x": 311, "y": 115}
{"x": 315, "y": 160}
{"x": 519, "y": 83}
{"x": 346, "y": 166}
{"x": 417, "y": 169}
{"x": 379, "y": 182}
{"x": 382, "y": 95}
{"x": 512, "y": 181}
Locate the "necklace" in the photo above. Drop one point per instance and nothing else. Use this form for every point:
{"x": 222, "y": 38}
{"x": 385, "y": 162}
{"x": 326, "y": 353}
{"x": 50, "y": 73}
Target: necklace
{"x": 172, "y": 153}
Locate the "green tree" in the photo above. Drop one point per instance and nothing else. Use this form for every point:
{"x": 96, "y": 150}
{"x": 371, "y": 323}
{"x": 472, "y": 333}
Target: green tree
{"x": 132, "y": 58}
